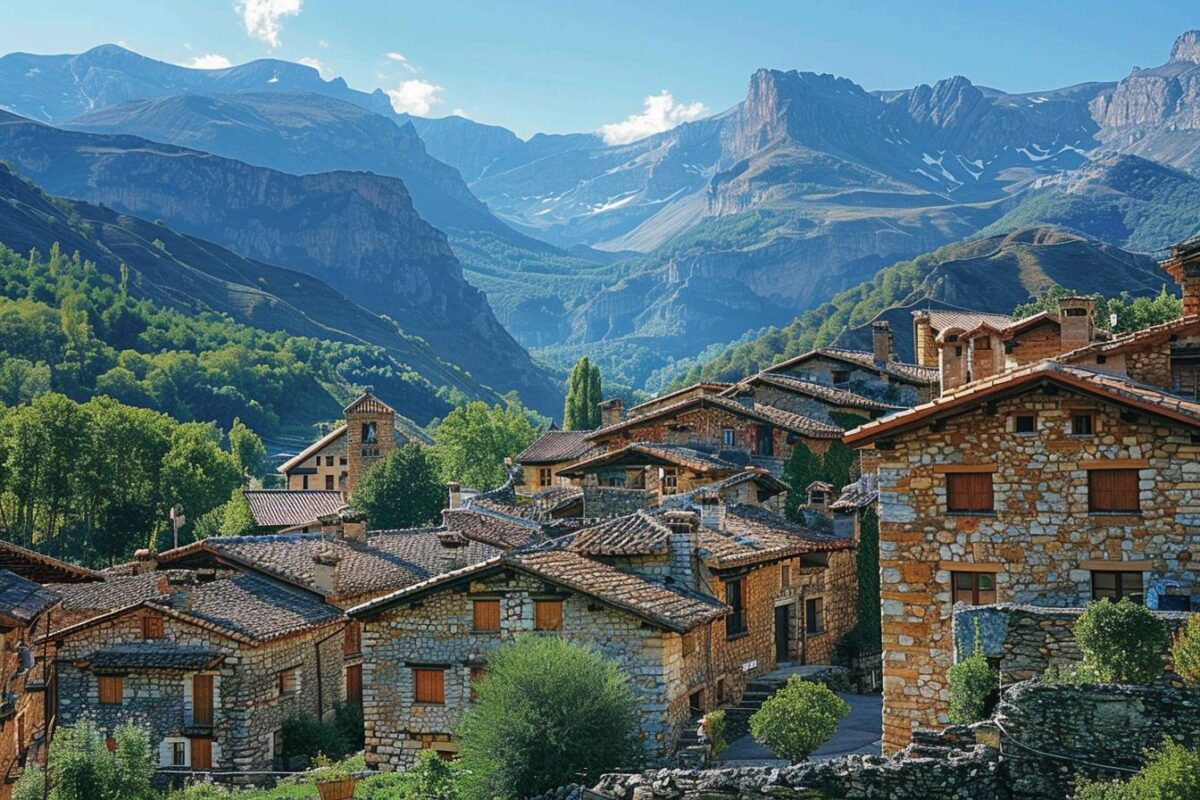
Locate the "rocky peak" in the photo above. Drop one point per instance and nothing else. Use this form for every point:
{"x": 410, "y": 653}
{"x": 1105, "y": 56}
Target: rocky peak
{"x": 1187, "y": 48}
{"x": 945, "y": 103}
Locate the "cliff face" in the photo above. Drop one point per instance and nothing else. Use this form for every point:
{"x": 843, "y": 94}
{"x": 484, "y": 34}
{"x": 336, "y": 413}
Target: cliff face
{"x": 356, "y": 231}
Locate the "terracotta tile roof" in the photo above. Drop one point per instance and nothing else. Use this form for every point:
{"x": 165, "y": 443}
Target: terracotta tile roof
{"x": 705, "y": 387}
{"x": 1184, "y": 326}
{"x": 762, "y": 413}
{"x": 504, "y": 532}
{"x": 654, "y": 452}
{"x": 21, "y": 600}
{"x": 1112, "y": 388}
{"x": 818, "y": 391}
{"x": 554, "y": 447}
{"x": 311, "y": 450}
{"x": 909, "y": 373}
{"x": 284, "y": 508}
{"x": 944, "y": 319}
{"x": 41, "y": 568}
{"x": 637, "y": 534}
{"x": 151, "y": 656}
{"x": 117, "y": 591}
{"x": 860, "y": 494}
{"x": 751, "y": 534}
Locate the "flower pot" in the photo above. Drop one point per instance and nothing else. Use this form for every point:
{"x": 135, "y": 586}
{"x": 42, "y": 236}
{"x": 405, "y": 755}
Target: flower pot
{"x": 341, "y": 789}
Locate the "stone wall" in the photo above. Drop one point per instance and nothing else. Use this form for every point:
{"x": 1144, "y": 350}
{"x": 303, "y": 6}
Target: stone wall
{"x": 1040, "y": 542}
{"x": 607, "y": 501}
{"x": 1027, "y": 639}
{"x": 860, "y": 381}
{"x": 804, "y": 405}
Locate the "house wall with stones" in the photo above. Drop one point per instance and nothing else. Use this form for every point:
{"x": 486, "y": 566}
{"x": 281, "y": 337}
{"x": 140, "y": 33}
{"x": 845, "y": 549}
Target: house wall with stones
{"x": 23, "y": 718}
{"x": 860, "y": 380}
{"x": 1041, "y": 542}
{"x": 327, "y": 469}
{"x": 247, "y": 708}
{"x": 804, "y": 405}
{"x": 611, "y": 501}
{"x": 1036, "y": 343}
{"x": 360, "y": 454}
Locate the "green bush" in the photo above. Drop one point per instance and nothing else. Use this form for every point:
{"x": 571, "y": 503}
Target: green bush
{"x": 1121, "y": 642}
{"x": 348, "y": 719}
{"x": 432, "y": 778}
{"x": 972, "y": 683}
{"x": 1185, "y": 651}
{"x": 716, "y": 725}
{"x": 1172, "y": 773}
{"x": 82, "y": 768}
{"x": 549, "y": 712}
{"x": 798, "y": 718}
{"x": 304, "y": 738}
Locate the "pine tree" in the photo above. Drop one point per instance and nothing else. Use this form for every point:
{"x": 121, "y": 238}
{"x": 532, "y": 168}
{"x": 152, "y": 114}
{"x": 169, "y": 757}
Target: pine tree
{"x": 594, "y": 396}
{"x": 575, "y": 411}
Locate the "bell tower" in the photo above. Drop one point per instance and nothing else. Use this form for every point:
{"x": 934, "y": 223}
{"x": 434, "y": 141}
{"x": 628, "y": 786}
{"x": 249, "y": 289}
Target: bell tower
{"x": 370, "y": 435}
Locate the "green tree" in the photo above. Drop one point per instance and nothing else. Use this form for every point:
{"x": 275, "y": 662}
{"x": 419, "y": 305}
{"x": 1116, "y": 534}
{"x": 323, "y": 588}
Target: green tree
{"x": 581, "y": 410}
{"x": 196, "y": 473}
{"x": 402, "y": 490}
{"x": 595, "y": 394}
{"x": 472, "y": 442}
{"x": 801, "y": 469}
{"x": 21, "y": 380}
{"x": 248, "y": 450}
{"x": 134, "y": 765}
{"x": 1185, "y": 651}
{"x": 236, "y": 519}
{"x": 1121, "y": 642}
{"x": 972, "y": 683}
{"x": 798, "y": 718}
{"x": 1170, "y": 773}
{"x": 549, "y": 712}
{"x": 81, "y": 768}
{"x": 867, "y": 636}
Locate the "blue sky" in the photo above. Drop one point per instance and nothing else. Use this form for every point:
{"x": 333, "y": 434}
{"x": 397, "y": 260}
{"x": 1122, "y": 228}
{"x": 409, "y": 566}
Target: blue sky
{"x": 550, "y": 65}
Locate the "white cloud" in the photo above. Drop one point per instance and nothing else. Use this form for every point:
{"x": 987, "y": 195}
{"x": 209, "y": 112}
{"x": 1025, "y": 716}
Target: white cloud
{"x": 415, "y": 97}
{"x": 401, "y": 60}
{"x": 458, "y": 112}
{"x": 309, "y": 61}
{"x": 661, "y": 114}
{"x": 263, "y": 18}
{"x": 322, "y": 43}
{"x": 209, "y": 61}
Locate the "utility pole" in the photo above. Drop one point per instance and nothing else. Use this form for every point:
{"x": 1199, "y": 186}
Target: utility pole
{"x": 177, "y": 520}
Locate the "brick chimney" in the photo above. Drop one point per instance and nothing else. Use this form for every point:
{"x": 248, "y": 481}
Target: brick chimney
{"x": 881, "y": 340}
{"x": 683, "y": 546}
{"x": 923, "y": 341}
{"x": 1077, "y": 317}
{"x": 1184, "y": 266}
{"x": 326, "y": 563}
{"x": 612, "y": 411}
{"x": 354, "y": 526}
{"x": 179, "y": 587}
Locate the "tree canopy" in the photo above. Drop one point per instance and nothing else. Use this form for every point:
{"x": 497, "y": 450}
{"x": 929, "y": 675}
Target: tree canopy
{"x": 581, "y": 410}
{"x": 472, "y": 442}
{"x": 401, "y": 491}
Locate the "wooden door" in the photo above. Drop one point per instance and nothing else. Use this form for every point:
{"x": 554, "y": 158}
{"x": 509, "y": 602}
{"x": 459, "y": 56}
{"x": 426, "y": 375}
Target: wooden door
{"x": 202, "y": 700}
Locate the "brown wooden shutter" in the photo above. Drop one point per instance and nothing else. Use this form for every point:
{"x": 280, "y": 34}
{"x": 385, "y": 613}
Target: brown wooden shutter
{"x": 201, "y": 753}
{"x": 152, "y": 627}
{"x": 112, "y": 690}
{"x": 487, "y": 615}
{"x": 354, "y": 690}
{"x": 202, "y": 700}
{"x": 430, "y": 686}
{"x": 1113, "y": 490}
{"x": 352, "y": 639}
{"x": 477, "y": 674}
{"x": 969, "y": 491}
{"x": 547, "y": 615}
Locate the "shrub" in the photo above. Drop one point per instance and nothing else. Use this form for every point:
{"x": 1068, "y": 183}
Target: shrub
{"x": 348, "y": 719}
{"x": 30, "y": 785}
{"x": 715, "y": 724}
{"x": 304, "y": 738}
{"x": 1121, "y": 642}
{"x": 550, "y": 712}
{"x": 433, "y": 778}
{"x": 1185, "y": 651}
{"x": 1062, "y": 675}
{"x": 134, "y": 764}
{"x": 1170, "y": 774}
{"x": 972, "y": 684}
{"x": 82, "y": 768}
{"x": 798, "y": 718}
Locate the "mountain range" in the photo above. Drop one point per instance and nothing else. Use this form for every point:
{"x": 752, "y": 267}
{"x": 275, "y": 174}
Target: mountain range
{"x": 643, "y": 255}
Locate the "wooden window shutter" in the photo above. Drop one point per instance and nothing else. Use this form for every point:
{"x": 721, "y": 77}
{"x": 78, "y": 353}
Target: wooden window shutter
{"x": 968, "y": 491}
{"x": 352, "y": 639}
{"x": 354, "y": 688}
{"x": 429, "y": 686}
{"x": 1113, "y": 490}
{"x": 112, "y": 690}
{"x": 547, "y": 615}
{"x": 202, "y": 753}
{"x": 152, "y": 627}
{"x": 486, "y": 615}
{"x": 477, "y": 674}
{"x": 202, "y": 700}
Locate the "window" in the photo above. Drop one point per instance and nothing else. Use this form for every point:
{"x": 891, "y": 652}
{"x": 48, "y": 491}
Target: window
{"x": 202, "y": 753}
{"x": 288, "y": 681}
{"x": 152, "y": 627}
{"x": 329, "y": 461}
{"x": 973, "y": 588}
{"x": 342, "y": 461}
{"x": 728, "y": 437}
{"x": 545, "y": 475}
{"x": 841, "y": 376}
{"x": 670, "y": 481}
{"x": 1082, "y": 425}
{"x": 369, "y": 433}
{"x": 429, "y": 686}
{"x": 354, "y": 692}
{"x": 112, "y": 690}
{"x": 547, "y": 615}
{"x": 1113, "y": 491}
{"x": 179, "y": 753}
{"x": 486, "y": 614}
{"x": 477, "y": 674}
{"x": 202, "y": 700}
{"x": 275, "y": 743}
{"x": 304, "y": 481}
{"x": 735, "y": 598}
{"x": 814, "y": 616}
{"x": 1114, "y": 585}
{"x": 1024, "y": 423}
{"x": 785, "y": 575}
{"x": 328, "y": 482}
{"x": 969, "y": 492}
{"x": 352, "y": 638}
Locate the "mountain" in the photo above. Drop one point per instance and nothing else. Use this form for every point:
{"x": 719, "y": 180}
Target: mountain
{"x": 356, "y": 231}
{"x": 995, "y": 274}
{"x": 182, "y": 272}
{"x": 1119, "y": 199}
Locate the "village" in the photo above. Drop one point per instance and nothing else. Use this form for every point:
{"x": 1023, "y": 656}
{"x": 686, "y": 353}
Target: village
{"x": 1017, "y": 471}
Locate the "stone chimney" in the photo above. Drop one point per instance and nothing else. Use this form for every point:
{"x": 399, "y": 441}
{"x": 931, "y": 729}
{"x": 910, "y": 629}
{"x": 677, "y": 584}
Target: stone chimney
{"x": 354, "y": 526}
{"x": 455, "y": 490}
{"x": 326, "y": 564}
{"x": 954, "y": 359}
{"x": 179, "y": 587}
{"x": 454, "y": 550}
{"x": 1077, "y": 317}
{"x": 712, "y": 513}
{"x": 145, "y": 560}
{"x": 881, "y": 340}
{"x": 683, "y": 547}
{"x": 612, "y": 411}
{"x": 1184, "y": 267}
{"x": 923, "y": 341}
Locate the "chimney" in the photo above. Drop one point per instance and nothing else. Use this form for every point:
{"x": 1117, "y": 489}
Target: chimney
{"x": 331, "y": 526}
{"x": 145, "y": 560}
{"x": 326, "y": 562}
{"x": 712, "y": 513}
{"x": 923, "y": 342}
{"x": 682, "y": 547}
{"x": 1076, "y": 316}
{"x": 1184, "y": 267}
{"x": 881, "y": 340}
{"x": 455, "y": 490}
{"x": 454, "y": 550}
{"x": 354, "y": 526}
{"x": 611, "y": 412}
{"x": 179, "y": 587}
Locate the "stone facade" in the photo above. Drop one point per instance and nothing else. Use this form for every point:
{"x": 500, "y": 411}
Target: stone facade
{"x": 1040, "y": 542}
{"x": 23, "y": 714}
{"x": 325, "y": 468}
{"x": 370, "y": 436}
{"x": 856, "y": 378}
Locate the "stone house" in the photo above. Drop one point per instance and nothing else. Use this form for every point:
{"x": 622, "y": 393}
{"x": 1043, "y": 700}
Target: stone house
{"x": 691, "y": 601}
{"x": 807, "y": 398}
{"x": 1050, "y": 484}
{"x": 25, "y": 607}
{"x": 540, "y": 462}
{"x": 612, "y": 411}
{"x": 212, "y": 668}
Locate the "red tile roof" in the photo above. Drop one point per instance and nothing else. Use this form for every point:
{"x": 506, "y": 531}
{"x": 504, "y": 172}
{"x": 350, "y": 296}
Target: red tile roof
{"x": 286, "y": 508}
{"x": 909, "y": 373}
{"x": 1123, "y": 342}
{"x": 762, "y": 413}
{"x": 554, "y": 447}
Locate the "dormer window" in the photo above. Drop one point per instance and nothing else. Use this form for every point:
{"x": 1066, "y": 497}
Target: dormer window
{"x": 841, "y": 376}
